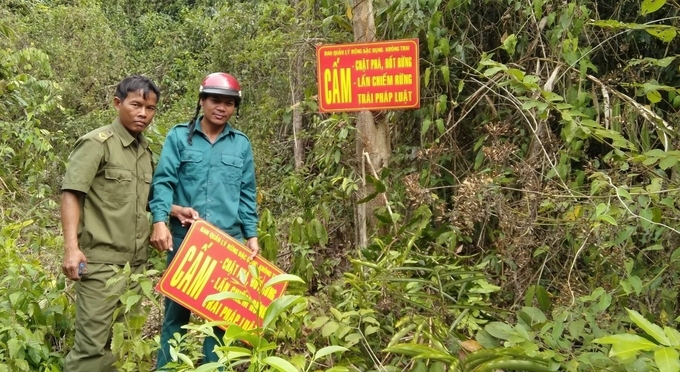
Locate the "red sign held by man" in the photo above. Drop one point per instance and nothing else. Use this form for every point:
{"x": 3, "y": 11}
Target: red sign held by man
{"x": 368, "y": 76}
{"x": 210, "y": 261}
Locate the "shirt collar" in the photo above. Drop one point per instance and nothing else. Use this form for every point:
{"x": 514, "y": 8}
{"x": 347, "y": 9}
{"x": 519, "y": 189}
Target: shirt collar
{"x": 125, "y": 137}
{"x": 227, "y": 128}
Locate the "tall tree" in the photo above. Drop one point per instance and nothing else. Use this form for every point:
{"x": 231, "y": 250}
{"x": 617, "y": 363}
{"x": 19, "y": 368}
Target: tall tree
{"x": 297, "y": 88}
{"x": 373, "y": 136}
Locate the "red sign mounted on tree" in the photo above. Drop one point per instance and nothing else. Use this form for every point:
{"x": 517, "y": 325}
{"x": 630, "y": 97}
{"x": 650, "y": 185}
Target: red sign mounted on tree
{"x": 210, "y": 261}
{"x": 368, "y": 76}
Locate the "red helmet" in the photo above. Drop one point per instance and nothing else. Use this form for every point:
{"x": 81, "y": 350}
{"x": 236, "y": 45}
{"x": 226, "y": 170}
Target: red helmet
{"x": 221, "y": 84}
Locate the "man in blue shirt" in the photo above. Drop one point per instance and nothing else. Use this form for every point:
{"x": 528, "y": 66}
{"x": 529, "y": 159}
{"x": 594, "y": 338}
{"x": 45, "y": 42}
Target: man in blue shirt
{"x": 206, "y": 169}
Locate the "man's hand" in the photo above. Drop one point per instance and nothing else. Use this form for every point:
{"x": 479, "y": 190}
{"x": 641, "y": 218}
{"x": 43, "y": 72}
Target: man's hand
{"x": 254, "y": 246}
{"x": 73, "y": 258}
{"x": 185, "y": 215}
{"x": 161, "y": 238}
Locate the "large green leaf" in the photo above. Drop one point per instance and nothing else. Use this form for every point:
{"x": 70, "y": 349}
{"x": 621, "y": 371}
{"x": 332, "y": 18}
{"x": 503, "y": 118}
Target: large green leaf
{"x": 651, "y": 6}
{"x": 673, "y": 336}
{"x": 626, "y": 345}
{"x": 500, "y": 330}
{"x": 654, "y": 96}
{"x": 328, "y": 350}
{"x": 649, "y": 327}
{"x": 280, "y": 364}
{"x": 664, "y": 34}
{"x": 209, "y": 367}
{"x": 667, "y": 359}
{"x": 277, "y": 307}
{"x": 282, "y": 278}
{"x": 228, "y": 296}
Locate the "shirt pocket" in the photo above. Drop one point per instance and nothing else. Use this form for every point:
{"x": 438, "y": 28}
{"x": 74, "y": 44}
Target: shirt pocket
{"x": 190, "y": 164}
{"x": 231, "y": 169}
{"x": 146, "y": 187}
{"x": 117, "y": 185}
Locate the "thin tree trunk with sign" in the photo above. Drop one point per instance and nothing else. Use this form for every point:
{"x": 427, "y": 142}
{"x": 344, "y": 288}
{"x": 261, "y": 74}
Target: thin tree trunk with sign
{"x": 296, "y": 91}
{"x": 372, "y": 136}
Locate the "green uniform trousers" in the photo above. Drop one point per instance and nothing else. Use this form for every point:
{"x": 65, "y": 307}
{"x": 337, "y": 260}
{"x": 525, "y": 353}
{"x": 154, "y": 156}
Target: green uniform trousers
{"x": 95, "y": 305}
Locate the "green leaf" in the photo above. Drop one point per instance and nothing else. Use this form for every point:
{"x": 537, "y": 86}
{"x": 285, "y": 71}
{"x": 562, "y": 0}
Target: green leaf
{"x": 338, "y": 369}
{"x": 664, "y": 34}
{"x": 277, "y": 307}
{"x": 651, "y": 6}
{"x": 493, "y": 71}
{"x": 444, "y": 46}
{"x": 624, "y": 193}
{"x": 509, "y": 44}
{"x": 668, "y": 162}
{"x": 667, "y": 359}
{"x": 328, "y": 350}
{"x": 427, "y": 77}
{"x": 228, "y": 296}
{"x": 329, "y": 329}
{"x": 626, "y": 345}
{"x": 516, "y": 73}
{"x": 675, "y": 255}
{"x": 673, "y": 336}
{"x": 607, "y": 218}
{"x": 576, "y": 327}
{"x": 321, "y": 233}
{"x": 654, "y": 96}
{"x": 500, "y": 330}
{"x": 282, "y": 278}
{"x": 636, "y": 283}
{"x": 649, "y": 327}
{"x": 118, "y": 336}
{"x": 371, "y": 330}
{"x": 13, "y": 347}
{"x": 186, "y": 360}
{"x": 445, "y": 74}
{"x": 320, "y": 321}
{"x": 425, "y": 126}
{"x": 209, "y": 367}
{"x": 439, "y": 123}
{"x": 532, "y": 316}
{"x": 131, "y": 301}
{"x": 280, "y": 364}
{"x": 378, "y": 184}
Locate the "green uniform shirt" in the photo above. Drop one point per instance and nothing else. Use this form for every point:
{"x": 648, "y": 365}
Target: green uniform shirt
{"x": 216, "y": 179}
{"x": 113, "y": 170}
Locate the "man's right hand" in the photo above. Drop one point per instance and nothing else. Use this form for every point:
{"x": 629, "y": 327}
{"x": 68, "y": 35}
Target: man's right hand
{"x": 73, "y": 258}
{"x": 161, "y": 238}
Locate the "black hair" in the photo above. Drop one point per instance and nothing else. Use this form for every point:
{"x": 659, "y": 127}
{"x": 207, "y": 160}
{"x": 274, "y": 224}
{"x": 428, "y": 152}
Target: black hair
{"x": 194, "y": 120}
{"x": 135, "y": 83}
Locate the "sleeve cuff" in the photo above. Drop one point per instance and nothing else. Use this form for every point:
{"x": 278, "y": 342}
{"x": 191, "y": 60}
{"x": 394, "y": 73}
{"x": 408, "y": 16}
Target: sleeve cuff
{"x": 159, "y": 217}
{"x": 84, "y": 188}
{"x": 250, "y": 233}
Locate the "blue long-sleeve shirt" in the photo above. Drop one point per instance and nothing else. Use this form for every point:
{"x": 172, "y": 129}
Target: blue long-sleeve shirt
{"x": 217, "y": 180}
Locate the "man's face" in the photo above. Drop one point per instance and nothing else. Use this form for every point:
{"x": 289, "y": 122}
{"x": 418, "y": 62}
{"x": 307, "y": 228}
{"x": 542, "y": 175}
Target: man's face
{"x": 136, "y": 112}
{"x": 217, "y": 110}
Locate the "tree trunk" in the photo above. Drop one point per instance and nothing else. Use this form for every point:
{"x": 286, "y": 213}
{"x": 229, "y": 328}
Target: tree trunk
{"x": 372, "y": 137}
{"x": 296, "y": 91}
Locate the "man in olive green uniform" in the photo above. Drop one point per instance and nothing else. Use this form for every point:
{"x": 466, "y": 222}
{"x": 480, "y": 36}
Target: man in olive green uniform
{"x": 104, "y": 219}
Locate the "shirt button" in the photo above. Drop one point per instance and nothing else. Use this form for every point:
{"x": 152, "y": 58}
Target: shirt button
{"x": 209, "y": 199}
{"x": 207, "y": 214}
{"x": 209, "y": 183}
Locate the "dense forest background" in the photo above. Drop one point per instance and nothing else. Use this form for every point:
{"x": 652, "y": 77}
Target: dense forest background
{"x": 524, "y": 218}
